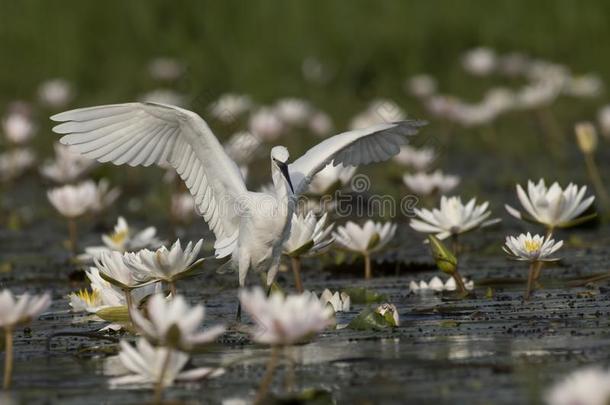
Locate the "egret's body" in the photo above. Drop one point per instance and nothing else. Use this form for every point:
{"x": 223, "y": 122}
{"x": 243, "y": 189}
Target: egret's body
{"x": 250, "y": 227}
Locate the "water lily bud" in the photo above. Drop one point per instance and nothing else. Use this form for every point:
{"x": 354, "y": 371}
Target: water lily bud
{"x": 445, "y": 260}
{"x": 586, "y": 136}
{"x": 173, "y": 336}
{"x": 117, "y": 314}
{"x": 389, "y": 313}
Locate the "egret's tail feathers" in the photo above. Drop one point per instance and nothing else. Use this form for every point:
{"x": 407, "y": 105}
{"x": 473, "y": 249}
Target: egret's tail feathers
{"x": 224, "y": 247}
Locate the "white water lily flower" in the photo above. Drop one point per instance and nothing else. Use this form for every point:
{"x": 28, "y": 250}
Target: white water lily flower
{"x": 368, "y": 238}
{"x": 18, "y": 127}
{"x": 74, "y": 201}
{"x": 340, "y": 301}
{"x": 22, "y": 309}
{"x": 530, "y": 248}
{"x": 537, "y": 94}
{"x": 164, "y": 68}
{"x": 241, "y": 147}
{"x": 585, "y": 86}
{"x": 330, "y": 179}
{"x": 284, "y": 320}
{"x": 164, "y": 96}
{"x": 418, "y": 159}
{"x": 453, "y": 217}
{"x": 266, "y": 124}
{"x": 230, "y": 106}
{"x": 389, "y": 311}
{"x": 67, "y": 167}
{"x": 479, "y": 61}
{"x": 436, "y": 284}
{"x": 147, "y": 364}
{"x": 55, "y": 93}
{"x": 422, "y": 85}
{"x": 174, "y": 323}
{"x": 104, "y": 196}
{"x": 164, "y": 264}
{"x": 378, "y": 111}
{"x": 15, "y": 162}
{"x": 293, "y": 111}
{"x": 603, "y": 118}
{"x": 553, "y": 207}
{"x": 425, "y": 184}
{"x": 588, "y": 386}
{"x": 183, "y": 208}
{"x": 308, "y": 236}
{"x": 114, "y": 269}
{"x": 320, "y": 123}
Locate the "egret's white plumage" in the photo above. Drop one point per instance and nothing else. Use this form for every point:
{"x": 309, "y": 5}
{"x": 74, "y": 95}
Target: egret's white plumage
{"x": 249, "y": 226}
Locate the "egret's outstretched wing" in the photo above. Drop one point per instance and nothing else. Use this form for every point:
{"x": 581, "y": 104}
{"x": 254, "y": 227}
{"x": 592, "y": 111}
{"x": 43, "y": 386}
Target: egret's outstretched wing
{"x": 150, "y": 133}
{"x": 373, "y": 144}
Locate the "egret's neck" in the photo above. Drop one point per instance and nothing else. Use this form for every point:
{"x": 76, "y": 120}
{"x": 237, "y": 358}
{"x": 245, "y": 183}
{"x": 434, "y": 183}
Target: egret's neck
{"x": 282, "y": 189}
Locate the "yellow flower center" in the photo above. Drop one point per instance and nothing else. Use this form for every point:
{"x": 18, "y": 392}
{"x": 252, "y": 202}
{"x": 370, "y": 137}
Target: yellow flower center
{"x": 532, "y": 246}
{"x": 119, "y": 237}
{"x": 89, "y": 297}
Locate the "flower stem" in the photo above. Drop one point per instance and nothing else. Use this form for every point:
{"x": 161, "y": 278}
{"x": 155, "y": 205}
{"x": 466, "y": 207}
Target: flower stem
{"x": 368, "y": 272}
{"x": 552, "y": 131}
{"x": 128, "y": 300}
{"x": 455, "y": 244}
{"x": 596, "y": 179}
{"x": 268, "y": 377}
{"x": 539, "y": 265}
{"x": 459, "y": 282}
{"x": 8, "y": 357}
{"x": 160, "y": 385}
{"x": 172, "y": 288}
{"x": 72, "y": 232}
{"x": 295, "y": 263}
{"x": 530, "y": 280}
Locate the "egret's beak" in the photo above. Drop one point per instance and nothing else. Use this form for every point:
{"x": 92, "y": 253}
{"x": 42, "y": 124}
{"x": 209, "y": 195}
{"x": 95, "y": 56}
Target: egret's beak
{"x": 284, "y": 169}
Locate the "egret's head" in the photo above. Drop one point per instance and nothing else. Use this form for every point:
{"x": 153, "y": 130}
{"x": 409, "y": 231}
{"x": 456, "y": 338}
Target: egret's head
{"x": 279, "y": 159}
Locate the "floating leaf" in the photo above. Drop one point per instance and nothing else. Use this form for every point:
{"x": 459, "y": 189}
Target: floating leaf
{"x": 370, "y": 319}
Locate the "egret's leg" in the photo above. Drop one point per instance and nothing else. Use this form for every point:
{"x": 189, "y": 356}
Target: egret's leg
{"x": 244, "y": 264}
{"x": 238, "y": 315}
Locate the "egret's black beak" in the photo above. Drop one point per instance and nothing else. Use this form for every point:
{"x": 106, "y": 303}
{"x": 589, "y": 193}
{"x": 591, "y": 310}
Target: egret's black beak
{"x": 284, "y": 169}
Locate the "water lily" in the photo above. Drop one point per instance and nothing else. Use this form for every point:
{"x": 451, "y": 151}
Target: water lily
{"x": 242, "y": 147}
{"x": 164, "y": 68}
{"x": 339, "y": 301}
{"x": 164, "y": 264}
{"x": 586, "y": 137}
{"x": 173, "y": 323}
{"x": 164, "y": 96}
{"x": 436, "y": 284}
{"x": 158, "y": 366}
{"x": 366, "y": 239}
{"x": 55, "y": 93}
{"x": 330, "y": 179}
{"x": 419, "y": 159}
{"x": 603, "y": 118}
{"x": 266, "y": 124}
{"x": 17, "y": 311}
{"x": 104, "y": 196}
{"x": 479, "y": 61}
{"x": 17, "y": 126}
{"x": 390, "y": 313}
{"x": 378, "y": 111}
{"x": 308, "y": 236}
{"x": 230, "y": 106}
{"x": 320, "y": 124}
{"x": 67, "y": 166}
{"x": 425, "y": 184}
{"x": 293, "y": 111}
{"x": 533, "y": 249}
{"x": 553, "y": 207}
{"x": 452, "y": 218}
{"x": 588, "y": 386}
{"x": 182, "y": 207}
{"x": 422, "y": 85}
{"x": 123, "y": 239}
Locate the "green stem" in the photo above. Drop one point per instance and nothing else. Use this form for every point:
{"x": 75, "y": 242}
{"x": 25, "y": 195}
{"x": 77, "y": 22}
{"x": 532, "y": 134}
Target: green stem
{"x": 268, "y": 377}
{"x": 128, "y": 301}
{"x": 8, "y": 357}
{"x": 295, "y": 263}
{"x": 368, "y": 272}
{"x": 455, "y": 244}
{"x": 160, "y": 384}
{"x": 530, "y": 280}
{"x": 459, "y": 282}
{"x": 596, "y": 179}
{"x": 172, "y": 288}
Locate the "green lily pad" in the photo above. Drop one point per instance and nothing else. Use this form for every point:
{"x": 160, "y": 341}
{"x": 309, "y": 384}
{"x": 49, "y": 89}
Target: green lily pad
{"x": 369, "y": 319}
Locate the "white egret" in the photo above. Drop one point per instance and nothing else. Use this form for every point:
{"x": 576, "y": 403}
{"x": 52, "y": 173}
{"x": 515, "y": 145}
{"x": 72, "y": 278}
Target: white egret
{"x": 249, "y": 226}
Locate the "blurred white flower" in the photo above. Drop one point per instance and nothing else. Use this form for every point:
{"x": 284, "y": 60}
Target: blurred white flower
{"x": 149, "y": 364}
{"x": 164, "y": 68}
{"x": 183, "y": 207}
{"x": 164, "y": 96}
{"x": 55, "y": 93}
{"x": 113, "y": 268}
{"x": 473, "y": 115}
{"x": 330, "y": 179}
{"x": 586, "y": 86}
{"x": 442, "y": 106}
{"x": 85, "y": 300}
{"x": 164, "y": 264}
{"x": 320, "y": 123}
{"x": 173, "y": 323}
{"x": 308, "y": 236}
{"x": 18, "y": 127}
{"x": 266, "y": 124}
{"x": 389, "y": 312}
{"x": 293, "y": 111}
{"x": 499, "y": 100}
{"x": 339, "y": 301}
{"x": 230, "y": 106}
{"x": 104, "y": 196}
{"x": 284, "y": 320}
{"x": 553, "y": 207}
{"x": 242, "y": 147}
{"x": 587, "y": 386}
{"x": 67, "y": 166}
{"x": 453, "y": 217}
{"x": 378, "y": 111}
{"x": 532, "y": 248}
{"x": 425, "y": 184}
{"x": 603, "y": 117}
{"x": 479, "y": 61}
{"x": 537, "y": 94}
{"x": 421, "y": 86}
{"x": 418, "y": 159}
{"x": 23, "y": 309}
{"x": 513, "y": 64}
{"x": 436, "y": 284}
{"x": 15, "y": 162}
{"x": 365, "y": 239}
{"x": 72, "y": 201}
